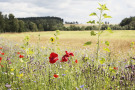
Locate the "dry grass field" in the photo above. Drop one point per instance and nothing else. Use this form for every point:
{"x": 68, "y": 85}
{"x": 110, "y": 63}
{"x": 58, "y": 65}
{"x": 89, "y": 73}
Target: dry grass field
{"x": 119, "y": 40}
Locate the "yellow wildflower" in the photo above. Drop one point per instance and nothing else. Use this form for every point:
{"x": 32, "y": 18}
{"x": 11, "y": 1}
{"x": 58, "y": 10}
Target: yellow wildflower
{"x": 52, "y": 39}
{"x": 21, "y": 75}
{"x": 66, "y": 70}
{"x": 12, "y": 69}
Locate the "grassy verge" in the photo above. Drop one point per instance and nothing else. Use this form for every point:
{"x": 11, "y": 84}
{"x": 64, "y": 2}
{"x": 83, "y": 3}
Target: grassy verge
{"x": 25, "y": 63}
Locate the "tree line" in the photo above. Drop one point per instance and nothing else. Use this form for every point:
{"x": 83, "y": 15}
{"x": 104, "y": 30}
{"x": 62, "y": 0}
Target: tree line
{"x": 125, "y": 24}
{"x": 71, "y": 22}
{"x": 8, "y": 23}
{"x": 94, "y": 27}
{"x": 128, "y": 23}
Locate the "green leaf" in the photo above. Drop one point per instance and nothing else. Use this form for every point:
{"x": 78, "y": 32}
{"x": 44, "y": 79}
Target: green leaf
{"x": 92, "y": 33}
{"x": 92, "y": 22}
{"x": 107, "y": 43}
{"x": 22, "y": 47}
{"x": 55, "y": 35}
{"x": 102, "y": 7}
{"x": 100, "y": 32}
{"x": 112, "y": 70}
{"x": 132, "y": 44}
{"x": 109, "y": 30}
{"x": 102, "y": 61}
{"x": 102, "y": 23}
{"x": 58, "y": 32}
{"x": 93, "y": 14}
{"x": 26, "y": 38}
{"x": 57, "y": 38}
{"x": 106, "y": 49}
{"x": 86, "y": 58}
{"x": 105, "y": 16}
{"x": 87, "y": 43}
{"x": 99, "y": 8}
{"x": 30, "y": 52}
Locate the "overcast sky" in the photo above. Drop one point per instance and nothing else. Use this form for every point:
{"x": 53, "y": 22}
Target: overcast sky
{"x": 69, "y": 10}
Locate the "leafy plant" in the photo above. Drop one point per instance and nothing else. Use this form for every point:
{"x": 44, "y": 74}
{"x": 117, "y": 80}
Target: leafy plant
{"x": 101, "y": 17}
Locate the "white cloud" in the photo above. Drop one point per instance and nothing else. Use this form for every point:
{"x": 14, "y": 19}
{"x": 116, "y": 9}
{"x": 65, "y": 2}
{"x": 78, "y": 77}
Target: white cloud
{"x": 23, "y": 9}
{"x": 69, "y": 10}
{"x": 65, "y": 4}
{"x": 130, "y": 3}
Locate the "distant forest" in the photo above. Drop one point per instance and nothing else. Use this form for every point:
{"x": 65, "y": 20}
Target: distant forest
{"x": 42, "y": 23}
{"x": 8, "y": 23}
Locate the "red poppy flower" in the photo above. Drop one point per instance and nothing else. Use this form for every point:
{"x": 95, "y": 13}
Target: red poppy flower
{"x": 68, "y": 54}
{"x": 1, "y": 65}
{"x": 55, "y": 75}
{"x": 116, "y": 68}
{"x": 76, "y": 61}
{"x": 18, "y": 53}
{"x": 53, "y": 57}
{"x": 64, "y": 58}
{"x": 21, "y": 56}
{"x": 0, "y": 47}
{"x": 0, "y": 58}
{"x": 2, "y": 53}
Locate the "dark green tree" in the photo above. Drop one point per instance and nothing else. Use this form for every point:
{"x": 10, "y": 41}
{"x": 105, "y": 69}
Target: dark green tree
{"x": 40, "y": 27}
{"x": 11, "y": 23}
{"x": 21, "y": 26}
{"x": 1, "y": 22}
{"x": 6, "y": 23}
{"x": 33, "y": 27}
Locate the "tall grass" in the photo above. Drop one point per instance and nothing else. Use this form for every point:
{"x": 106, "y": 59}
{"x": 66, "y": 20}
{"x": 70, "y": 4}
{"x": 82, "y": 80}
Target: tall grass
{"x": 34, "y": 71}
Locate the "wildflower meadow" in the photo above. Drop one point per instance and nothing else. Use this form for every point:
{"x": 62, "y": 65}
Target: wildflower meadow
{"x": 49, "y": 66}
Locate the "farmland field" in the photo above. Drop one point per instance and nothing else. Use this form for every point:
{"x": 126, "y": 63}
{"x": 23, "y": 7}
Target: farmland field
{"x": 31, "y": 61}
{"x": 119, "y": 40}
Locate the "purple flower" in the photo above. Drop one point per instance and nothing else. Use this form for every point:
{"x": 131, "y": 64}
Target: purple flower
{"x": 8, "y": 58}
{"x": 81, "y": 86}
{"x": 8, "y": 85}
{"x": 63, "y": 74}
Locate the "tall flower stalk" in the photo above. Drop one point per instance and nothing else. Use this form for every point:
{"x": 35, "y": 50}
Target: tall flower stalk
{"x": 102, "y": 16}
